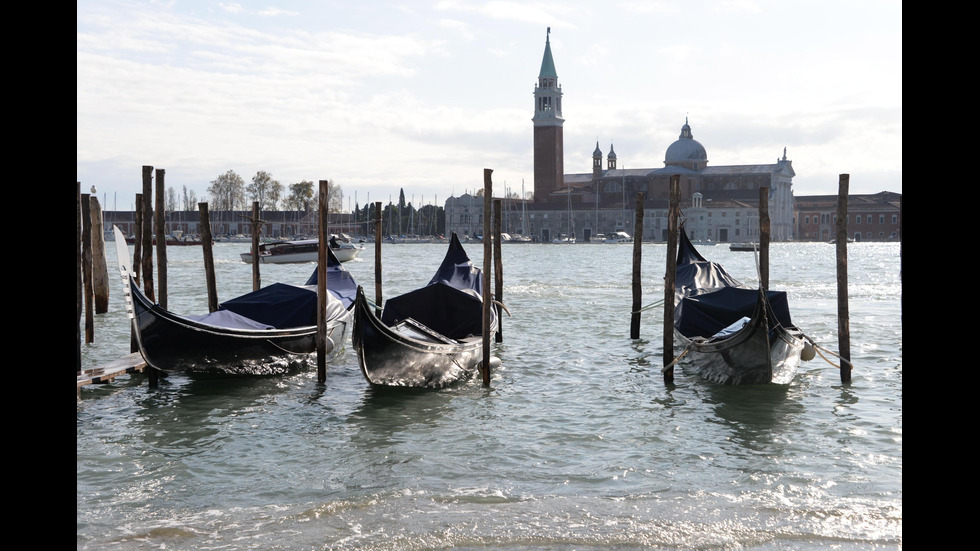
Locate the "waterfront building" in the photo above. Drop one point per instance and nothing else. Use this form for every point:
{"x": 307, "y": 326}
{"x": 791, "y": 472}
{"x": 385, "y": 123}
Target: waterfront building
{"x": 722, "y": 201}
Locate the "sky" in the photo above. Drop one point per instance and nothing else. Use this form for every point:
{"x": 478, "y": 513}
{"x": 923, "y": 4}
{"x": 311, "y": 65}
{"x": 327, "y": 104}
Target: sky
{"x": 422, "y": 96}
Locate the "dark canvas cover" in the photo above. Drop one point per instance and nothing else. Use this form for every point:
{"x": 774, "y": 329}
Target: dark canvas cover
{"x": 706, "y": 314}
{"x": 280, "y": 305}
{"x": 340, "y": 282}
{"x": 709, "y": 299}
{"x": 457, "y": 270}
{"x": 445, "y": 309}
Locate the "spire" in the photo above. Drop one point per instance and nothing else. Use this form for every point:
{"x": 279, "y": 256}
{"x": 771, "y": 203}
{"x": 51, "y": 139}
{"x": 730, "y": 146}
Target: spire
{"x": 548, "y": 62}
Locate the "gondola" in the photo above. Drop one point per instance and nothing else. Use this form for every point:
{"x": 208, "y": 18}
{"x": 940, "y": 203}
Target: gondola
{"x": 268, "y": 331}
{"x": 430, "y": 337}
{"x": 733, "y": 333}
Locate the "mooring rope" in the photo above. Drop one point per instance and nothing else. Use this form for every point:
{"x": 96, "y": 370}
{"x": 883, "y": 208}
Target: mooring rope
{"x": 819, "y": 348}
{"x": 677, "y": 359}
{"x": 648, "y": 306}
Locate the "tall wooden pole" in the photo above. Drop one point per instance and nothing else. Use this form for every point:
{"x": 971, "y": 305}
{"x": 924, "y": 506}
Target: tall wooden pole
{"x": 764, "y": 229}
{"x": 843, "y": 316}
{"x": 487, "y": 254}
{"x": 160, "y": 215}
{"x": 256, "y": 229}
{"x": 153, "y": 375}
{"x": 498, "y": 269}
{"x": 207, "y": 248}
{"x": 78, "y": 271}
{"x": 138, "y": 242}
{"x": 147, "y": 208}
{"x": 673, "y": 217}
{"x": 377, "y": 258}
{"x": 323, "y": 234}
{"x": 100, "y": 272}
{"x": 87, "y": 269}
{"x": 637, "y": 262}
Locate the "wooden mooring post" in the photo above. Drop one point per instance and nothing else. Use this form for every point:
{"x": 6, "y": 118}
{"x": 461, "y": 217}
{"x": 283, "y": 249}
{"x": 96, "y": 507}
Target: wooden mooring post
{"x": 377, "y": 258}
{"x": 323, "y": 235}
{"x": 498, "y": 269}
{"x": 764, "y": 231}
{"x": 256, "y": 231}
{"x": 487, "y": 254}
{"x": 100, "y": 272}
{"x": 637, "y": 263}
{"x": 78, "y": 270}
{"x": 160, "y": 222}
{"x": 208, "y": 249}
{"x": 153, "y": 375}
{"x": 673, "y": 217}
{"x": 843, "y": 316}
{"x": 87, "y": 269}
{"x": 147, "y": 208}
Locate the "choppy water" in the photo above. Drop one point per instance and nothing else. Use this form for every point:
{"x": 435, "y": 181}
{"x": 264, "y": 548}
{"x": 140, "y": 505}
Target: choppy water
{"x": 576, "y": 444}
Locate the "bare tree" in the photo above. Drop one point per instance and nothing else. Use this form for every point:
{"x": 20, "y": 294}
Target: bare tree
{"x": 227, "y": 191}
{"x": 261, "y": 188}
{"x": 171, "y": 200}
{"x": 300, "y": 196}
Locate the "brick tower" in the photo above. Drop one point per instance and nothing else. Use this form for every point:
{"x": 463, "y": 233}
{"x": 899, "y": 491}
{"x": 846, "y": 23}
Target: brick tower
{"x": 549, "y": 166}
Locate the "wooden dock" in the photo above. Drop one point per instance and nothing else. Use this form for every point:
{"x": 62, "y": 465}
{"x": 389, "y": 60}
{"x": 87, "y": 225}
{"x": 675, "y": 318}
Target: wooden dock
{"x": 133, "y": 363}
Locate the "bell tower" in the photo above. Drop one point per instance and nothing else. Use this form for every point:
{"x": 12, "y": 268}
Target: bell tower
{"x": 549, "y": 166}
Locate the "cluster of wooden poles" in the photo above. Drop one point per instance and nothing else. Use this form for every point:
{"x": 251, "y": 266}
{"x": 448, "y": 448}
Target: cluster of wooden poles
{"x": 92, "y": 270}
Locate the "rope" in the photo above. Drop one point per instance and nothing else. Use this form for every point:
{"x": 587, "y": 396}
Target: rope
{"x": 677, "y": 359}
{"x": 648, "y": 306}
{"x": 819, "y": 348}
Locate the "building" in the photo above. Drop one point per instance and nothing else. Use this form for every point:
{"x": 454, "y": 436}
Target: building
{"x": 718, "y": 203}
{"x": 275, "y": 224}
{"x": 875, "y": 217}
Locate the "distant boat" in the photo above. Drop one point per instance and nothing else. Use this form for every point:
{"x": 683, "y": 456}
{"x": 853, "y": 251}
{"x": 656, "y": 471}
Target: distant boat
{"x": 304, "y": 250}
{"x": 176, "y": 239}
{"x": 618, "y": 237}
{"x": 743, "y": 247}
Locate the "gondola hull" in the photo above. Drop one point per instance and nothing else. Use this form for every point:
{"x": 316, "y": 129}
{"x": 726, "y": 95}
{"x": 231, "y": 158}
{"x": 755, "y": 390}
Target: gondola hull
{"x": 269, "y": 331}
{"x": 730, "y": 333}
{"x": 173, "y": 343}
{"x": 409, "y": 354}
{"x": 428, "y": 337}
{"x": 752, "y": 355}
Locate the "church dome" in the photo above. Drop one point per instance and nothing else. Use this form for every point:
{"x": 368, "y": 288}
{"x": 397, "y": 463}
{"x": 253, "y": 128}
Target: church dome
{"x": 686, "y": 149}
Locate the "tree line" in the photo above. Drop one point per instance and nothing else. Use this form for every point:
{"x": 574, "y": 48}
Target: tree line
{"x": 229, "y": 192}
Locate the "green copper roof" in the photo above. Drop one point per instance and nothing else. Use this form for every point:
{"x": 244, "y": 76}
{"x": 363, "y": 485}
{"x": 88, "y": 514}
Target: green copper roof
{"x": 548, "y": 63}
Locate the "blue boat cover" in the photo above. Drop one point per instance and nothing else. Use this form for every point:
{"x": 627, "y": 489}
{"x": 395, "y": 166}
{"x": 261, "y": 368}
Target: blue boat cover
{"x": 280, "y": 305}
{"x": 451, "y": 303}
{"x": 227, "y": 318}
{"x": 709, "y": 299}
{"x": 440, "y": 307}
{"x": 457, "y": 270}
{"x": 340, "y": 282}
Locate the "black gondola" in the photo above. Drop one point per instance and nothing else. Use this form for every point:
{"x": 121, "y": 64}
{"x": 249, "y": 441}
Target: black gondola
{"x": 429, "y": 337}
{"x": 734, "y": 334}
{"x": 268, "y": 331}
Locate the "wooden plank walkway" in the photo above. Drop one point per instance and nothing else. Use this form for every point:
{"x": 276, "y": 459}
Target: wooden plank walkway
{"x": 133, "y": 363}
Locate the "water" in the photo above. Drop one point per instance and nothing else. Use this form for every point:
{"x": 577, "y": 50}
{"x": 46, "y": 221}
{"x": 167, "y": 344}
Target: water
{"x": 577, "y": 444}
